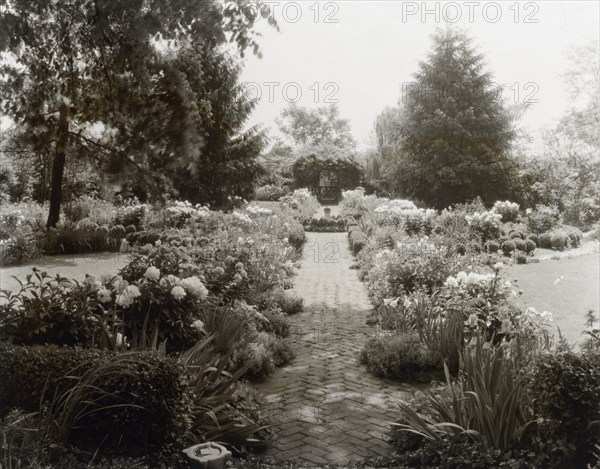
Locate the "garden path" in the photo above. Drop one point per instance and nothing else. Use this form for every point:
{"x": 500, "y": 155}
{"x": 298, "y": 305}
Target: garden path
{"x": 325, "y": 407}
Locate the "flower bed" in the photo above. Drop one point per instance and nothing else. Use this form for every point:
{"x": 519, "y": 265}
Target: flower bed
{"x": 204, "y": 289}
{"x": 443, "y": 310}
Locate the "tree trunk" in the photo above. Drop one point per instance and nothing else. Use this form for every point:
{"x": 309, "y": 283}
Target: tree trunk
{"x": 58, "y": 168}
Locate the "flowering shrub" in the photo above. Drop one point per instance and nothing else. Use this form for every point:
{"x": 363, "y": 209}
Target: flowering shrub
{"x": 47, "y": 310}
{"x": 257, "y": 210}
{"x": 542, "y": 218}
{"x": 405, "y": 268}
{"x": 419, "y": 221}
{"x": 355, "y": 201}
{"x": 94, "y": 209}
{"x": 401, "y": 356}
{"x": 18, "y": 242}
{"x": 485, "y": 225}
{"x": 509, "y": 211}
{"x": 301, "y": 203}
{"x": 131, "y": 213}
{"x": 180, "y": 212}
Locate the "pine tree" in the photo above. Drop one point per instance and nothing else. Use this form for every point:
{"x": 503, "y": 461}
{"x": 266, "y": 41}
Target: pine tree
{"x": 455, "y": 133}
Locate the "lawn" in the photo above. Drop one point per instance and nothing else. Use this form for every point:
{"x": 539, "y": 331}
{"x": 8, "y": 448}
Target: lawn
{"x": 70, "y": 266}
{"x": 568, "y": 288}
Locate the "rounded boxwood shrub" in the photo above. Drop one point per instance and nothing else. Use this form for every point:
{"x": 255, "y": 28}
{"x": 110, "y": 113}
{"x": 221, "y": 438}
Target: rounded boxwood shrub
{"x": 516, "y": 234}
{"x": 546, "y": 241}
{"x": 520, "y": 245}
{"x": 460, "y": 249}
{"x": 557, "y": 242}
{"x": 492, "y": 247}
{"x": 130, "y": 229}
{"x": 117, "y": 232}
{"x": 399, "y": 356}
{"x": 508, "y": 247}
{"x": 534, "y": 238}
{"x": 520, "y": 257}
{"x": 352, "y": 229}
{"x": 574, "y": 238}
{"x": 359, "y": 244}
{"x": 530, "y": 245}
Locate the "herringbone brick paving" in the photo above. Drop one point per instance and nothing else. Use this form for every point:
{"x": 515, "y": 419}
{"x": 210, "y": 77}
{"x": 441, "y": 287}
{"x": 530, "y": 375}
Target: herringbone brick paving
{"x": 325, "y": 407}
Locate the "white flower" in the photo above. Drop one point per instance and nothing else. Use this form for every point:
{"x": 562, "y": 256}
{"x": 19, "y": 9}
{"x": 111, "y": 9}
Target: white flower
{"x": 242, "y": 217}
{"x": 93, "y": 282}
{"x": 198, "y": 325}
{"x": 547, "y": 316}
{"x": 498, "y": 265}
{"x": 129, "y": 294}
{"x": 158, "y": 242}
{"x": 194, "y": 286}
{"x": 472, "y": 321}
{"x": 451, "y": 282}
{"x": 178, "y": 292}
{"x": 119, "y": 283}
{"x": 104, "y": 295}
{"x": 152, "y": 273}
{"x": 218, "y": 271}
{"x": 169, "y": 280}
{"x": 119, "y": 339}
{"x": 256, "y": 210}
{"x": 394, "y": 303}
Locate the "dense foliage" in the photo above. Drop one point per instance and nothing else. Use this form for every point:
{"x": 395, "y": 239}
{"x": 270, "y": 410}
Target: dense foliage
{"x": 453, "y": 134}
{"x": 110, "y": 61}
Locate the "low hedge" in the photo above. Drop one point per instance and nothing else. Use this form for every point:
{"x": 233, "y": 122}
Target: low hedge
{"x": 356, "y": 237}
{"x": 329, "y": 225}
{"x": 142, "y": 400}
{"x": 401, "y": 356}
{"x": 566, "y": 392}
{"x": 26, "y": 370}
{"x": 74, "y": 240}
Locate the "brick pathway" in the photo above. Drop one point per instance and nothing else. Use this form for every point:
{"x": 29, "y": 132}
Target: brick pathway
{"x": 325, "y": 407}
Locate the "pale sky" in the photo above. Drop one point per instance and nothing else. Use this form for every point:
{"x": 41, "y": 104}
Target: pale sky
{"x": 372, "y": 49}
{"x": 359, "y": 53}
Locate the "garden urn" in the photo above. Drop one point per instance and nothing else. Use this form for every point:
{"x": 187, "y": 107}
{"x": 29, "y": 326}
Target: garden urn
{"x": 207, "y": 456}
